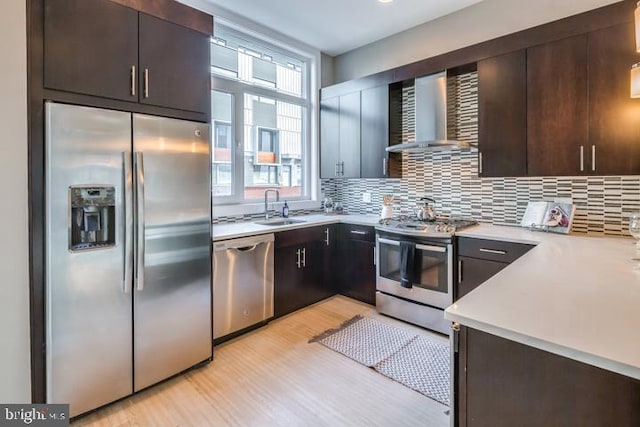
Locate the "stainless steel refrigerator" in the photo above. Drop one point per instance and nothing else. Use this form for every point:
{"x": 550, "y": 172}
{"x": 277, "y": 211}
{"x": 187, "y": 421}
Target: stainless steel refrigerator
{"x": 128, "y": 265}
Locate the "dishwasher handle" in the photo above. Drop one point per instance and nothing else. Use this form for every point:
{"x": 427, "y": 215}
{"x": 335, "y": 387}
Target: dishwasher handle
{"x": 247, "y": 248}
{"x": 243, "y": 244}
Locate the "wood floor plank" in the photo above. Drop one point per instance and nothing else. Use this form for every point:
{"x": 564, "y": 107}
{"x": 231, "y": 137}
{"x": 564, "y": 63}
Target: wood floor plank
{"x": 274, "y": 377}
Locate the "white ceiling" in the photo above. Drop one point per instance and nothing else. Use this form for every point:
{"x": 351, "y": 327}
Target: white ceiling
{"x": 337, "y": 26}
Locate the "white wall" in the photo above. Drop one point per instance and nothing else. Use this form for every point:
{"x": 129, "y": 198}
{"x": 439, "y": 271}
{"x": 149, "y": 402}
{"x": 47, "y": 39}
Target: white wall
{"x": 483, "y": 21}
{"x": 14, "y": 274}
{"x": 326, "y": 70}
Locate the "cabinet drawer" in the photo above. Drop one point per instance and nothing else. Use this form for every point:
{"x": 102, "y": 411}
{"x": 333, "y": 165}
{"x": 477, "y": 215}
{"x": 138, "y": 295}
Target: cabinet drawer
{"x": 300, "y": 236}
{"x": 358, "y": 232}
{"x": 491, "y": 249}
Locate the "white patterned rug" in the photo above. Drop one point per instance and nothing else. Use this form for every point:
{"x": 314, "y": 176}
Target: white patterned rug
{"x": 416, "y": 361}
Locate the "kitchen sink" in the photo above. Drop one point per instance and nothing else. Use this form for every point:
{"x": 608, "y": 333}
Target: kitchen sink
{"x": 280, "y": 221}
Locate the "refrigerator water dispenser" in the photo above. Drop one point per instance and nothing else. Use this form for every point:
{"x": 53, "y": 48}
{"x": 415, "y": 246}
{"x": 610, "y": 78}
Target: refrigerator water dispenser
{"x": 92, "y": 218}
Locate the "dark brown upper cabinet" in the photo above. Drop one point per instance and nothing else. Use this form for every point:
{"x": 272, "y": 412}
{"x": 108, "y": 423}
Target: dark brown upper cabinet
{"x": 174, "y": 65}
{"x": 340, "y": 136}
{"x": 374, "y": 133}
{"x": 90, "y": 47}
{"x": 614, "y": 117}
{"x": 502, "y": 115}
{"x": 557, "y": 108}
{"x": 101, "y": 48}
{"x": 330, "y": 137}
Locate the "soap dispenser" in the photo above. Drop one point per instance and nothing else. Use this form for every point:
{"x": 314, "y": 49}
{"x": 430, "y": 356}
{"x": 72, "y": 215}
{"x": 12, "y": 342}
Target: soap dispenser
{"x": 285, "y": 210}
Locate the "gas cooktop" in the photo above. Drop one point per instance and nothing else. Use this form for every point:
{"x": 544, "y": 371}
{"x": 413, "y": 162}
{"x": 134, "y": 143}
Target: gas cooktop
{"x": 438, "y": 227}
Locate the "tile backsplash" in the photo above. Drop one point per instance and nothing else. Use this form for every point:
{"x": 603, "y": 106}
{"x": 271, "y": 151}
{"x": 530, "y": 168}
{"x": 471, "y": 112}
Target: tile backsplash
{"x": 602, "y": 203}
{"x": 451, "y": 178}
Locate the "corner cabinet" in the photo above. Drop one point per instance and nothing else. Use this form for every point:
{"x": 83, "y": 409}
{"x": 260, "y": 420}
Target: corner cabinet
{"x": 354, "y": 133}
{"x": 480, "y": 259}
{"x": 340, "y": 136}
{"x": 502, "y": 115}
{"x": 104, "y": 49}
{"x": 299, "y": 270}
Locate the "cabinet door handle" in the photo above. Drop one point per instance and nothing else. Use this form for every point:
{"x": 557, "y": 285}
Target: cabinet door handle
{"x": 582, "y": 158}
{"x": 593, "y": 158}
{"x": 358, "y": 232}
{"x": 133, "y": 80}
{"x": 493, "y": 251}
{"x": 375, "y": 257}
{"x": 459, "y": 271}
{"x": 480, "y": 163}
{"x": 146, "y": 82}
{"x": 298, "y": 263}
{"x": 384, "y": 166}
{"x": 304, "y": 257}
{"x": 326, "y": 233}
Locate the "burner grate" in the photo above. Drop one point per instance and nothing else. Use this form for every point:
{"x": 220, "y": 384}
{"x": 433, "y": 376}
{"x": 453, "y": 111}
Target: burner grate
{"x": 439, "y": 225}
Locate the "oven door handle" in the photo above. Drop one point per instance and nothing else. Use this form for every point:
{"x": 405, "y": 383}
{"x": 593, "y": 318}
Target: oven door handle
{"x": 389, "y": 242}
{"x": 431, "y": 248}
{"x": 418, "y": 246}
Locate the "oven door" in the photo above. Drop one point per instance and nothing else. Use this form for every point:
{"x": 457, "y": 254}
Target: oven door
{"x": 432, "y": 272}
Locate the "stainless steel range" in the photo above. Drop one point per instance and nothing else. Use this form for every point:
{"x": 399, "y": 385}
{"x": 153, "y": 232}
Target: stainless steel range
{"x": 415, "y": 269}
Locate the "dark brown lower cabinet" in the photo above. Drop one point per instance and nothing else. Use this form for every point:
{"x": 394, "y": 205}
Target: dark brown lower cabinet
{"x": 472, "y": 272}
{"x": 504, "y": 383}
{"x": 355, "y": 266}
{"x": 479, "y": 259}
{"x": 299, "y": 269}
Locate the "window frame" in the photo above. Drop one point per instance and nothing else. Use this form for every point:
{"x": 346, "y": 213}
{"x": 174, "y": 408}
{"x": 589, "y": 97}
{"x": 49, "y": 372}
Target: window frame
{"x": 237, "y": 89}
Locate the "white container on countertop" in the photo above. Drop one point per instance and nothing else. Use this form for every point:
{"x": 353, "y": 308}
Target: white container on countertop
{"x": 387, "y": 212}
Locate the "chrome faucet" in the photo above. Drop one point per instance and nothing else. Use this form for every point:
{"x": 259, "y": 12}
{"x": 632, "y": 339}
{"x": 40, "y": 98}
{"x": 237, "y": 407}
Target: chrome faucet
{"x": 266, "y": 206}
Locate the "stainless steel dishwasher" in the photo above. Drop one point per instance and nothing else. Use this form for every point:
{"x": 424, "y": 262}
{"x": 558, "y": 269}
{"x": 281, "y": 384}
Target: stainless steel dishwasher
{"x": 242, "y": 283}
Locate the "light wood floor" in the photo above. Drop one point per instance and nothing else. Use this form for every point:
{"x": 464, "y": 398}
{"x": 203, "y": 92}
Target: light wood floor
{"x": 274, "y": 377}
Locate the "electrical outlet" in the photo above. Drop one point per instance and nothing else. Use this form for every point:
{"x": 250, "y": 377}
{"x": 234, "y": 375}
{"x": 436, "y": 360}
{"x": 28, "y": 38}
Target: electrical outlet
{"x": 366, "y": 197}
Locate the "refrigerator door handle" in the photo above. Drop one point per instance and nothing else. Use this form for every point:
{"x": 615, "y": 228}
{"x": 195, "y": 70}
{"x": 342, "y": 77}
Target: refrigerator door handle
{"x": 127, "y": 206}
{"x": 139, "y": 165}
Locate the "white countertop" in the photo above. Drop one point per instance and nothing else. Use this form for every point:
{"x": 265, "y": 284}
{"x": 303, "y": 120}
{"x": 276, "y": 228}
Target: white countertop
{"x": 574, "y": 296}
{"x": 243, "y": 229}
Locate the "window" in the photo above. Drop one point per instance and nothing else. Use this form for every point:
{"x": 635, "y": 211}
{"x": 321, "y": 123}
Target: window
{"x": 222, "y": 135}
{"x": 223, "y": 150}
{"x": 267, "y": 140}
{"x": 261, "y": 114}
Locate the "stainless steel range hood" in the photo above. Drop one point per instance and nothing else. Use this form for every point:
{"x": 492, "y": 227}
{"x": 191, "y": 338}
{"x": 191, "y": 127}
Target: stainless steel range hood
{"x": 430, "y": 117}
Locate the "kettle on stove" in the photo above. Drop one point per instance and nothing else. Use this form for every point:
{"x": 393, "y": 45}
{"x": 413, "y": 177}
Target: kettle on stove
{"x": 426, "y": 211}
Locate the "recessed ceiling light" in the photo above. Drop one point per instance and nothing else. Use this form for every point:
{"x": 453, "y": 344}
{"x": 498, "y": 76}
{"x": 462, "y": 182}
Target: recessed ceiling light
{"x": 385, "y": 1}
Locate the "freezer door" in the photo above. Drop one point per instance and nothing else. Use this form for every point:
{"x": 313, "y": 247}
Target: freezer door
{"x": 172, "y": 296}
{"x": 88, "y": 298}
